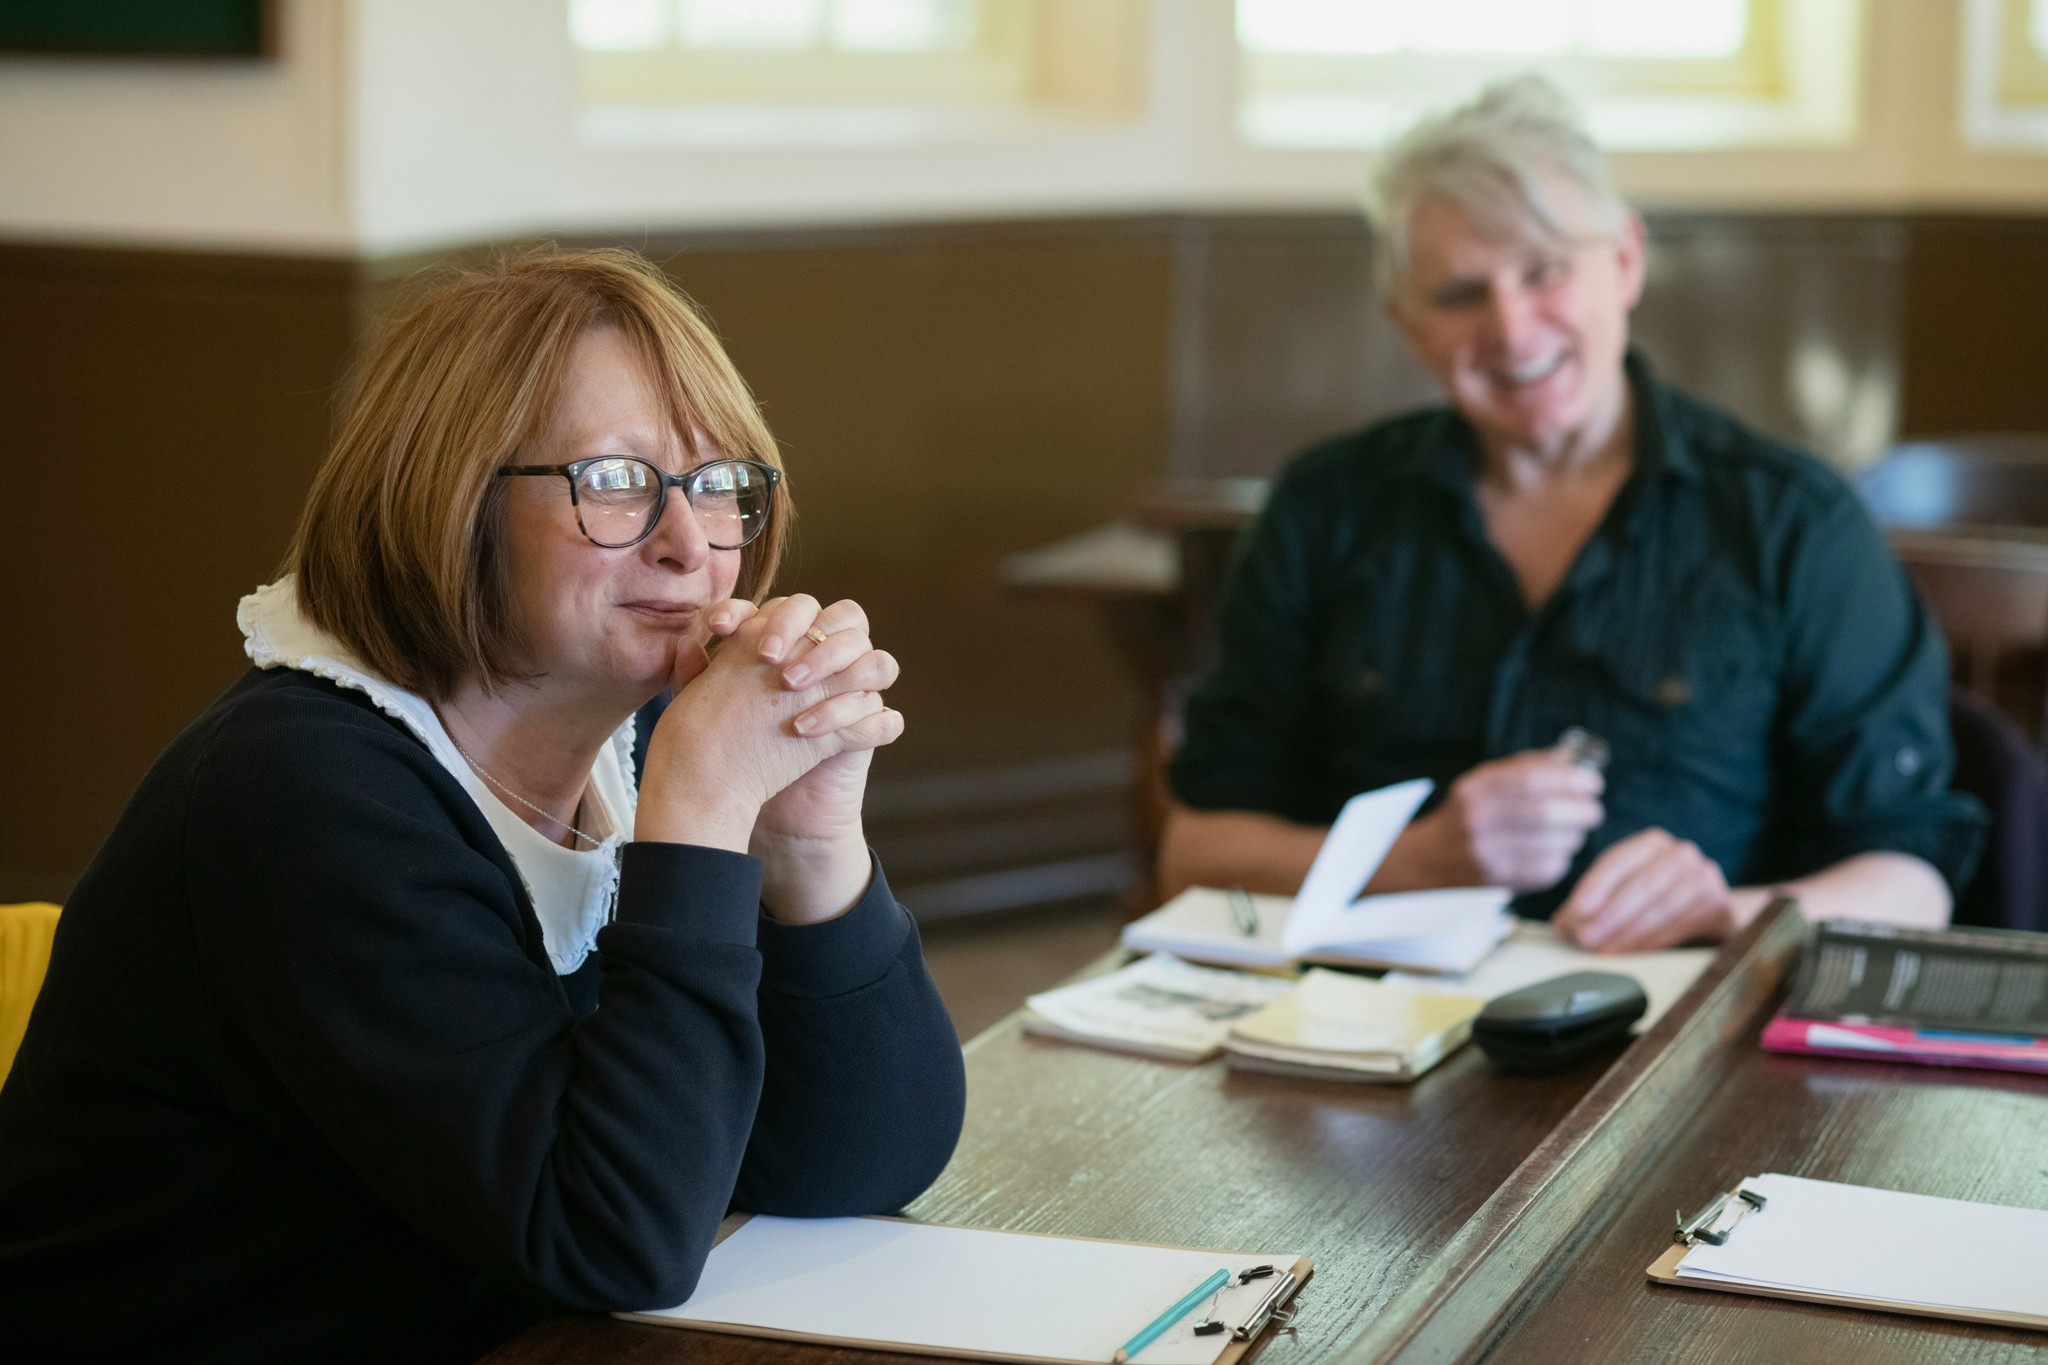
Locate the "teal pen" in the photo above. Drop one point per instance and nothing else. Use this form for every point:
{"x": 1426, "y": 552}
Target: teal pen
{"x": 1171, "y": 1316}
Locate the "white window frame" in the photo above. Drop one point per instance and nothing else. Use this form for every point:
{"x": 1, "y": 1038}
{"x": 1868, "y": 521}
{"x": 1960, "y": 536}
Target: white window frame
{"x": 1994, "y": 115}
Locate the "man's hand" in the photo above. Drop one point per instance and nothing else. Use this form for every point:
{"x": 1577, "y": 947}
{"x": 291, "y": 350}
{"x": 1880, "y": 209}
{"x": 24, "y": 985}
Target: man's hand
{"x": 1652, "y": 890}
{"x": 1515, "y": 822}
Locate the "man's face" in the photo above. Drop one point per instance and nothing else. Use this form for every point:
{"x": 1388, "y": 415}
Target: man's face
{"x": 1527, "y": 340}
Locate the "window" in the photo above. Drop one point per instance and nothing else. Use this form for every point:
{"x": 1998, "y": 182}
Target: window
{"x": 774, "y": 25}
{"x": 1608, "y": 28}
{"x": 1705, "y": 73}
{"x": 749, "y": 71}
{"x": 2005, "y": 73}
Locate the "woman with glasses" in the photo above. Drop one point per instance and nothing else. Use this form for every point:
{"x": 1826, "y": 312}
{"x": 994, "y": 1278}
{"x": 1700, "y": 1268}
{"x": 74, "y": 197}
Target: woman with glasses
{"x": 437, "y": 976}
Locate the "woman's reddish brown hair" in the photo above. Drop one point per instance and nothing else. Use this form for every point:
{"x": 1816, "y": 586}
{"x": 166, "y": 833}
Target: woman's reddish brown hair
{"x": 400, "y": 550}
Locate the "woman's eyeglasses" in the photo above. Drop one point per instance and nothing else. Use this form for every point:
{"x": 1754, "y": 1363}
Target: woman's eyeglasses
{"x": 619, "y": 499}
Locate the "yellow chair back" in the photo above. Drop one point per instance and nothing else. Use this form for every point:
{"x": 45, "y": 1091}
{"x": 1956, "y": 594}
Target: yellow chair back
{"x": 25, "y": 935}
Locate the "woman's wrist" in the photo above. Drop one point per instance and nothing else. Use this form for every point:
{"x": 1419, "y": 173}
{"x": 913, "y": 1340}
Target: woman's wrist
{"x": 806, "y": 880}
{"x": 725, "y": 824}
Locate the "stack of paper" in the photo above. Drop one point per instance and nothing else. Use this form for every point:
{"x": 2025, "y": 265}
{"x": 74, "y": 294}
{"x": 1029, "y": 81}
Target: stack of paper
{"x": 1882, "y": 1249}
{"x": 1326, "y": 921}
{"x": 894, "y": 1285}
{"x": 1157, "y": 1006}
{"x": 1340, "y": 1026}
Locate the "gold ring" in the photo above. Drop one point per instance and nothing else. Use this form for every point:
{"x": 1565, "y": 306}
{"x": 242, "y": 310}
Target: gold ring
{"x": 816, "y": 636}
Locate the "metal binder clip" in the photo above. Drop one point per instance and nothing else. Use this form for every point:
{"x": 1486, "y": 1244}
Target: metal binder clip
{"x": 1713, "y": 1223}
{"x": 1268, "y": 1308}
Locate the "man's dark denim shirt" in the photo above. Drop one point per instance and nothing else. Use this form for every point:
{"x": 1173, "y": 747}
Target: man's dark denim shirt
{"x": 1736, "y": 629}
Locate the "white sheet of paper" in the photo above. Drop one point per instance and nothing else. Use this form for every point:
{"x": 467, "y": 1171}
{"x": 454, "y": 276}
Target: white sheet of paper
{"x": 961, "y": 1289}
{"x": 1441, "y": 930}
{"x": 1160, "y": 1001}
{"x": 1534, "y": 952}
{"x": 1818, "y": 1236}
{"x": 1352, "y": 851}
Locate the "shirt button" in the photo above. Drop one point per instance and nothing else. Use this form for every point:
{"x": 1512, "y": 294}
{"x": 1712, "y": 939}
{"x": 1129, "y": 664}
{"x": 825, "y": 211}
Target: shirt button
{"x": 1366, "y": 681}
{"x": 1673, "y": 692}
{"x": 1908, "y": 761}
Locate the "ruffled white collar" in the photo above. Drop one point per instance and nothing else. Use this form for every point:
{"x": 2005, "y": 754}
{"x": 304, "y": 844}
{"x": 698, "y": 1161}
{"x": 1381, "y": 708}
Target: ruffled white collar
{"x": 572, "y": 892}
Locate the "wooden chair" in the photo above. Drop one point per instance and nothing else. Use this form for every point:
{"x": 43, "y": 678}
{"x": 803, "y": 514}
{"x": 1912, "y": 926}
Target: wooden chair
{"x": 26, "y": 932}
{"x": 1968, "y": 516}
{"x": 1958, "y": 481}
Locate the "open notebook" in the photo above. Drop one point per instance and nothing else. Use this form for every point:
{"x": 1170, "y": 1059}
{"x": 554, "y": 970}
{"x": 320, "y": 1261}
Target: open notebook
{"x": 1865, "y": 1248}
{"x": 891, "y": 1284}
{"x": 1327, "y": 920}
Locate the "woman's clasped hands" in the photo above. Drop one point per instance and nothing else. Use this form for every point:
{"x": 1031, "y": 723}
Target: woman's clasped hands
{"x": 766, "y": 745}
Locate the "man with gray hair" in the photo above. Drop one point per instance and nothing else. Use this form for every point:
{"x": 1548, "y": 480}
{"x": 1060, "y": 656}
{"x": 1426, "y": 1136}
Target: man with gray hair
{"x": 1570, "y": 544}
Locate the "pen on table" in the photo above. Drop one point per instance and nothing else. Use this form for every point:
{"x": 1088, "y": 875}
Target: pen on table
{"x": 1171, "y": 1316}
{"x": 1243, "y": 912}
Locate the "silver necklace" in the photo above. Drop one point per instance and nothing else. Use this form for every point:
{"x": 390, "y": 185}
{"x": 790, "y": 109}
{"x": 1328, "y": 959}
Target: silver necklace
{"x": 485, "y": 773}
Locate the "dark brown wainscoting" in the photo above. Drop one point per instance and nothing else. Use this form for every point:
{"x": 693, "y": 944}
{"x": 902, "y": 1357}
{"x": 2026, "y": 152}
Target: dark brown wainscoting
{"x": 947, "y": 395}
{"x": 1974, "y": 353}
{"x": 161, "y": 414}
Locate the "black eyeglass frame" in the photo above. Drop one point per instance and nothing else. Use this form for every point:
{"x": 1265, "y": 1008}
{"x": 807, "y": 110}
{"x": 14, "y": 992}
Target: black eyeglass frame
{"x": 665, "y": 481}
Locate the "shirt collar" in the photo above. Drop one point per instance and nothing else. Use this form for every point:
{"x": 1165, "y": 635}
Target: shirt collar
{"x": 1661, "y": 447}
{"x": 1448, "y": 454}
{"x": 572, "y": 893}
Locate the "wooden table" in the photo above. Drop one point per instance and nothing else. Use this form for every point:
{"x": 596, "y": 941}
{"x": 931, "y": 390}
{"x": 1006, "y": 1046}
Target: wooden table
{"x": 1472, "y": 1215}
{"x": 1370, "y": 1181}
{"x": 1553, "y": 1267}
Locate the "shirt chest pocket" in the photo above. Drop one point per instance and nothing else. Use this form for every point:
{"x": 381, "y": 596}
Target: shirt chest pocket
{"x": 1689, "y": 694}
{"x": 1406, "y": 691}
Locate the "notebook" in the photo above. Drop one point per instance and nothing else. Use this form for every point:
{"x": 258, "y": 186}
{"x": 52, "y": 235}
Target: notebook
{"x": 1533, "y": 952}
{"x": 1157, "y": 1006}
{"x": 1884, "y": 1249}
{"x": 1327, "y": 921}
{"x": 892, "y": 1284}
{"x": 1940, "y": 997}
{"x": 1336, "y": 1026}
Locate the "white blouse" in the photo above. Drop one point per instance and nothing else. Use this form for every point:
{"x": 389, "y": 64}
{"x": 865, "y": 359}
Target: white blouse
{"x": 572, "y": 891}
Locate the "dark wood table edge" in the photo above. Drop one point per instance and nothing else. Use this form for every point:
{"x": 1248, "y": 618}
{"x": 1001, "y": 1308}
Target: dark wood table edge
{"x": 1506, "y": 1251}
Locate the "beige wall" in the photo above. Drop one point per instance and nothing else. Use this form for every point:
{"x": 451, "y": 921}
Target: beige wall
{"x": 392, "y": 125}
{"x": 247, "y": 155}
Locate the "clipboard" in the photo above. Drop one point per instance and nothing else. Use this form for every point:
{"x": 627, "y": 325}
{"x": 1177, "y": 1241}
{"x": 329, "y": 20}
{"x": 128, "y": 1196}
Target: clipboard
{"x": 1291, "y": 1274}
{"x": 1728, "y": 1216}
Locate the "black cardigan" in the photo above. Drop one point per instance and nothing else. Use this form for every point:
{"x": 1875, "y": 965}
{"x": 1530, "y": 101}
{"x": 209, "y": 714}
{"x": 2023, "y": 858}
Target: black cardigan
{"x": 302, "y": 1085}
